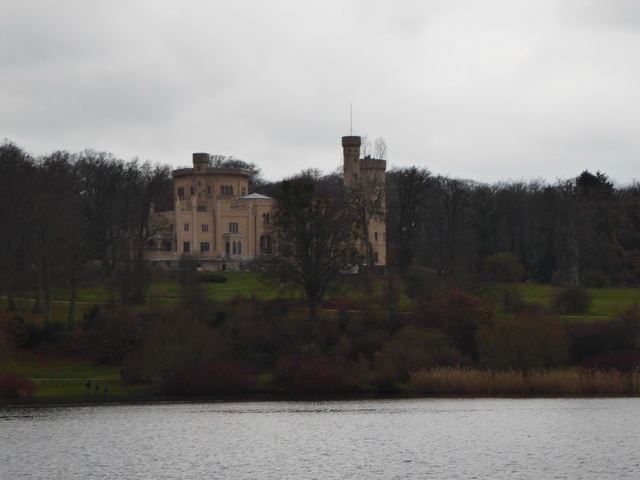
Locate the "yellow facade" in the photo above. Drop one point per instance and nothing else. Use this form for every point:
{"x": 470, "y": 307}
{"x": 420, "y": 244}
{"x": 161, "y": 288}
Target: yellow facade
{"x": 219, "y": 225}
{"x": 215, "y": 222}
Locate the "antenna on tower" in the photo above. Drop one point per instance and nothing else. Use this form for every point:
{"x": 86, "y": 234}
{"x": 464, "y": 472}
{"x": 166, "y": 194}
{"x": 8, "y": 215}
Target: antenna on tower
{"x": 351, "y": 118}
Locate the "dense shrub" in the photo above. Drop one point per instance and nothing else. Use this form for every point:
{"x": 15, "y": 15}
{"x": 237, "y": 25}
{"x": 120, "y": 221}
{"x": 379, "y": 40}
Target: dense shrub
{"x": 422, "y": 282}
{"x": 523, "y": 342}
{"x": 458, "y": 315}
{"x": 414, "y": 348}
{"x": 316, "y": 374}
{"x": 596, "y": 279}
{"x": 504, "y": 267}
{"x": 560, "y": 278}
{"x": 623, "y": 361}
{"x": 108, "y": 336}
{"x": 211, "y": 278}
{"x": 571, "y": 301}
{"x": 12, "y": 386}
{"x": 600, "y": 342}
{"x": 5, "y": 352}
{"x": 213, "y": 379}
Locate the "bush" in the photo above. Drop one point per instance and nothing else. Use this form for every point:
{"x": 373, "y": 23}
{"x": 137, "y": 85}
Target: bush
{"x": 211, "y": 278}
{"x": 559, "y": 278}
{"x": 524, "y": 342}
{"x": 623, "y": 361}
{"x": 458, "y": 315}
{"x": 215, "y": 379}
{"x": 604, "y": 342}
{"x": 12, "y": 386}
{"x": 596, "y": 279}
{"x": 569, "y": 301}
{"x": 422, "y": 282}
{"x": 316, "y": 374}
{"x": 504, "y": 267}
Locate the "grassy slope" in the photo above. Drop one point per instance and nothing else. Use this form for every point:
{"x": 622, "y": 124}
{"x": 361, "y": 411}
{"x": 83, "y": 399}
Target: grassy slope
{"x": 606, "y": 302}
{"x": 59, "y": 377}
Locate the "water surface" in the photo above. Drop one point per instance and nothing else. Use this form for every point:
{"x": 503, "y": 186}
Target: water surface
{"x": 373, "y": 439}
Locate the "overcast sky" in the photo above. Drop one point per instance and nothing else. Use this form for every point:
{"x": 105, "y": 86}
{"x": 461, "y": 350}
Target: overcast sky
{"x": 484, "y": 90}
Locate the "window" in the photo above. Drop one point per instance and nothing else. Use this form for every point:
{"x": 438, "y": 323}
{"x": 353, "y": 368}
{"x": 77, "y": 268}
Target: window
{"x": 186, "y": 247}
{"x": 375, "y": 237}
{"x": 375, "y": 255}
{"x": 208, "y": 189}
{"x": 265, "y": 217}
{"x": 226, "y": 248}
{"x": 186, "y": 227}
{"x": 235, "y": 248}
{"x": 233, "y": 227}
{"x": 205, "y": 227}
{"x": 265, "y": 245}
{"x": 202, "y": 208}
{"x": 181, "y": 191}
{"x": 226, "y": 190}
{"x": 193, "y": 190}
{"x": 166, "y": 246}
{"x": 239, "y": 248}
{"x": 204, "y": 246}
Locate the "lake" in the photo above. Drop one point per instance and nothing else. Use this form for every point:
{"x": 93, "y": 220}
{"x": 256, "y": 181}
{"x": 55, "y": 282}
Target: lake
{"x": 493, "y": 439}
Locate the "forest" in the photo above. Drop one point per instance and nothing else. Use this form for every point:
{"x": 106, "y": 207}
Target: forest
{"x": 74, "y": 219}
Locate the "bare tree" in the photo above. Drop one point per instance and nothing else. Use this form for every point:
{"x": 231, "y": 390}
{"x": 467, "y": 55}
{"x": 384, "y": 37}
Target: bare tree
{"x": 408, "y": 196}
{"x": 16, "y": 169}
{"x": 366, "y": 196}
{"x": 315, "y": 241}
{"x": 256, "y": 180}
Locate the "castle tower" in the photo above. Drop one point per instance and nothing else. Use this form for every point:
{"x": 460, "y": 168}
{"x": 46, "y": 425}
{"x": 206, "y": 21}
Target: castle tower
{"x": 351, "y": 155}
{"x": 364, "y": 181}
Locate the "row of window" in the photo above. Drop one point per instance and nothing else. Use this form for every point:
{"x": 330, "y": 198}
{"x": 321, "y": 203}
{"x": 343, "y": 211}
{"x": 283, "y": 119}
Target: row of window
{"x": 226, "y": 190}
{"x": 233, "y": 227}
{"x": 231, "y": 248}
{"x": 235, "y": 247}
{"x": 204, "y": 247}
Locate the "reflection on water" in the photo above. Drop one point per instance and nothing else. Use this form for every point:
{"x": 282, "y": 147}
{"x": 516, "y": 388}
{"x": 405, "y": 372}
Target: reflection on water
{"x": 377, "y": 439}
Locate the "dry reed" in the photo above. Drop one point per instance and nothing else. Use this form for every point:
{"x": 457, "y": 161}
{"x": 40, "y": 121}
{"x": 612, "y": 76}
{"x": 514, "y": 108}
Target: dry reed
{"x": 572, "y": 381}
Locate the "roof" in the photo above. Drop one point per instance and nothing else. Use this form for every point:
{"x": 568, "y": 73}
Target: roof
{"x": 256, "y": 196}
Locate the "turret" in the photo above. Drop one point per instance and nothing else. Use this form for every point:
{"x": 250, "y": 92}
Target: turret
{"x": 351, "y": 154}
{"x": 200, "y": 162}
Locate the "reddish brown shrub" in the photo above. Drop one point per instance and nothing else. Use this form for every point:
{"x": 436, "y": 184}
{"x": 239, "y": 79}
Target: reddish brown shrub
{"x": 458, "y": 315}
{"x": 316, "y": 374}
{"x": 216, "y": 379}
{"x": 12, "y": 386}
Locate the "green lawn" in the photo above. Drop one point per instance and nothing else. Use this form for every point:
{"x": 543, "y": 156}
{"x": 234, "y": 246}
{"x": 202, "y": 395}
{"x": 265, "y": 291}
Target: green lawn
{"x": 605, "y": 302}
{"x": 56, "y": 377}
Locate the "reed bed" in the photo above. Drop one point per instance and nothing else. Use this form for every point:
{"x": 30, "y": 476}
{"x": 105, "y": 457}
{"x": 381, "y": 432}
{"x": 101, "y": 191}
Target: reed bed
{"x": 572, "y": 381}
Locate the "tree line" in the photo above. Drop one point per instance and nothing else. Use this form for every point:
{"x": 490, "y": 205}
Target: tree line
{"x": 583, "y": 231}
{"x": 63, "y": 211}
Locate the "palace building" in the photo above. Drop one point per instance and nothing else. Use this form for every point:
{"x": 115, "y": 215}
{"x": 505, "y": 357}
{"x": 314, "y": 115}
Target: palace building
{"x": 218, "y": 224}
{"x": 215, "y": 221}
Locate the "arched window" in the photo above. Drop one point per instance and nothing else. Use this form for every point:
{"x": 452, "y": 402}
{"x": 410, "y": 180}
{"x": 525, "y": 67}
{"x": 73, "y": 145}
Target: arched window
{"x": 269, "y": 245}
